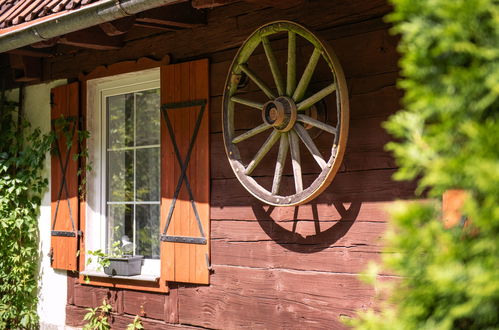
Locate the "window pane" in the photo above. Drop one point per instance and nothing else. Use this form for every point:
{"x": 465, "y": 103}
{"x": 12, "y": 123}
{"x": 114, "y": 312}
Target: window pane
{"x": 147, "y": 117}
{"x": 147, "y": 220}
{"x": 148, "y": 174}
{"x": 120, "y": 176}
{"x": 120, "y": 120}
{"x": 133, "y": 170}
{"x": 120, "y": 223}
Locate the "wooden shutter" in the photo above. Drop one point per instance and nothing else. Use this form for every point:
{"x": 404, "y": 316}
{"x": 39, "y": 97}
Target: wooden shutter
{"x": 64, "y": 178}
{"x": 185, "y": 217}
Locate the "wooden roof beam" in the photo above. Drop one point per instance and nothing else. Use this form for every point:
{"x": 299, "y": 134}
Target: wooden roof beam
{"x": 25, "y": 68}
{"x": 93, "y": 38}
{"x": 30, "y": 52}
{"x": 46, "y": 43}
{"x": 207, "y": 4}
{"x": 181, "y": 15}
{"x": 281, "y": 4}
{"x": 118, "y": 27}
{"x": 156, "y": 26}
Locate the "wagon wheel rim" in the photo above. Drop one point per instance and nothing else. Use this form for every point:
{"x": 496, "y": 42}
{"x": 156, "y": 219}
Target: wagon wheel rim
{"x": 284, "y": 114}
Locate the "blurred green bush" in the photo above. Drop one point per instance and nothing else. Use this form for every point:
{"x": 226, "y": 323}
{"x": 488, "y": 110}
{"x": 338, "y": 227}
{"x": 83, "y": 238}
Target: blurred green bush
{"x": 447, "y": 137}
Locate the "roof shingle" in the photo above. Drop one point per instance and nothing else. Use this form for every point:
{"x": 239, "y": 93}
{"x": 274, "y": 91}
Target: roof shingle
{"x": 14, "y": 12}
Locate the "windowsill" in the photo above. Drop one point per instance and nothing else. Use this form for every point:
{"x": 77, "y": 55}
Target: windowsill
{"x": 141, "y": 277}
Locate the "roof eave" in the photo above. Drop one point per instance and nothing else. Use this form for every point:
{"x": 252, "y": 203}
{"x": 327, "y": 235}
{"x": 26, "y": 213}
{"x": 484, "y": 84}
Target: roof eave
{"x": 57, "y": 25}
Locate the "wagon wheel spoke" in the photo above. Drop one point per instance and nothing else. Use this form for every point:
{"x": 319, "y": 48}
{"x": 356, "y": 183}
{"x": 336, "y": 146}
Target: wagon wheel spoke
{"x": 310, "y": 101}
{"x": 259, "y": 82}
{"x": 309, "y": 143}
{"x": 316, "y": 123}
{"x": 291, "y": 66}
{"x": 252, "y": 132}
{"x": 249, "y": 103}
{"x": 307, "y": 75}
{"x": 281, "y": 161}
{"x": 269, "y": 143}
{"x": 294, "y": 145}
{"x": 276, "y": 73}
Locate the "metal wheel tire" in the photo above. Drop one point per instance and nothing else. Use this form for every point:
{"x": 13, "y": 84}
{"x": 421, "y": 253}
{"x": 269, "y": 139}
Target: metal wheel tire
{"x": 284, "y": 114}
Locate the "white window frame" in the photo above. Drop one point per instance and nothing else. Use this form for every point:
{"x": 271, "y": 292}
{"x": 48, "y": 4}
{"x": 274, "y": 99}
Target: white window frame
{"x": 95, "y": 210}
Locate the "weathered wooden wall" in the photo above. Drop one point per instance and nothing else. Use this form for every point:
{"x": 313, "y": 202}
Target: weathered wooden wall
{"x": 276, "y": 267}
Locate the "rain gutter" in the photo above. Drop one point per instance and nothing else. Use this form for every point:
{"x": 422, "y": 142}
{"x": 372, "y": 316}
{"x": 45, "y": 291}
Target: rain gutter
{"x": 94, "y": 14}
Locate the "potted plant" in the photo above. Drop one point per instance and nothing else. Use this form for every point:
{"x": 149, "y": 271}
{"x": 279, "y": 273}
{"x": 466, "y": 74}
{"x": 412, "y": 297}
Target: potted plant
{"x": 119, "y": 261}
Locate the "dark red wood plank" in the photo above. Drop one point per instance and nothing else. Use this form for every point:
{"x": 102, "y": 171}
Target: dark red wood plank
{"x": 340, "y": 247}
{"x": 92, "y": 296}
{"x": 145, "y": 304}
{"x": 347, "y": 187}
{"x": 241, "y": 297}
{"x": 74, "y": 318}
{"x": 329, "y": 211}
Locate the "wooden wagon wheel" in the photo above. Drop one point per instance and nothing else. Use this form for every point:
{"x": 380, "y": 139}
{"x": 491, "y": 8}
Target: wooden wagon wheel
{"x": 285, "y": 114}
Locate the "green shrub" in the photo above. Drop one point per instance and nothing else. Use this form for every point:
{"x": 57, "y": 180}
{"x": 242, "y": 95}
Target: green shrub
{"x": 448, "y": 137}
{"x": 22, "y": 152}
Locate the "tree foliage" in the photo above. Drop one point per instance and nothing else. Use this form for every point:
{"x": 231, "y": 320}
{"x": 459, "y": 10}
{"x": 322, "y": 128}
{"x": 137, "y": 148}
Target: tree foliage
{"x": 22, "y": 152}
{"x": 448, "y": 137}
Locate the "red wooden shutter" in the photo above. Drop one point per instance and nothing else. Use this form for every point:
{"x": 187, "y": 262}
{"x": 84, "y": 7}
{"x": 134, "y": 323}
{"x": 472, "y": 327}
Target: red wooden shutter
{"x": 185, "y": 195}
{"x": 64, "y": 178}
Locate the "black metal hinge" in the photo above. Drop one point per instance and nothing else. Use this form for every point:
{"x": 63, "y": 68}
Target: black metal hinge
{"x": 183, "y": 239}
{"x": 62, "y": 233}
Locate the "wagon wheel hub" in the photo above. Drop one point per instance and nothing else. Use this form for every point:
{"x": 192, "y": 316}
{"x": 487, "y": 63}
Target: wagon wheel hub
{"x": 280, "y": 113}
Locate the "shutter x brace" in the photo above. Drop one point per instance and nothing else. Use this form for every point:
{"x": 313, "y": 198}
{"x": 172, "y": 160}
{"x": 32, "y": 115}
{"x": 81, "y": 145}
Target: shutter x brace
{"x": 183, "y": 175}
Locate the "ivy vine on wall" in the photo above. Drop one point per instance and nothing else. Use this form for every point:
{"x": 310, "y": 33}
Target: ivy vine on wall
{"x": 22, "y": 153}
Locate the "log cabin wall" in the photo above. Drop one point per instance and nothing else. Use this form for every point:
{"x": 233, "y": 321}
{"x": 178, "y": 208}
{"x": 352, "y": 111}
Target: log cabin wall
{"x": 274, "y": 267}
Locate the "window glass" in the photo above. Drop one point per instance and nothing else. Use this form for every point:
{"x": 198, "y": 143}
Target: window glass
{"x": 120, "y": 119}
{"x": 147, "y": 174}
{"x": 132, "y": 171}
{"x": 147, "y": 228}
{"x": 120, "y": 168}
{"x": 148, "y": 120}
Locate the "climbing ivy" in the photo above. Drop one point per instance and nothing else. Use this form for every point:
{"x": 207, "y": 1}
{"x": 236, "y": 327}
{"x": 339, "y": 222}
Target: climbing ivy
{"x": 448, "y": 138}
{"x": 98, "y": 318}
{"x": 22, "y": 153}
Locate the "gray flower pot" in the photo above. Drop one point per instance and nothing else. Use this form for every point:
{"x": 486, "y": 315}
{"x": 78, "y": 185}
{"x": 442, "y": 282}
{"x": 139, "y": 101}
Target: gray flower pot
{"x": 126, "y": 266}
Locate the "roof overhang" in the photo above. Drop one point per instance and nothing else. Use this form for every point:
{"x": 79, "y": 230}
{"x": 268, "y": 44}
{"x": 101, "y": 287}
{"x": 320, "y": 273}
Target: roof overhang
{"x": 56, "y": 25}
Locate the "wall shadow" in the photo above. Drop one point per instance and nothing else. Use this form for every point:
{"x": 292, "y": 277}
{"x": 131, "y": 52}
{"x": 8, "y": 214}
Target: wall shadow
{"x": 294, "y": 241}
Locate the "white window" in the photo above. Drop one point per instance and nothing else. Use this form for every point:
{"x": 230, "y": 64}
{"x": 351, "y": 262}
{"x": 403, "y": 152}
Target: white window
{"x": 123, "y": 188}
